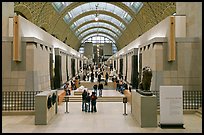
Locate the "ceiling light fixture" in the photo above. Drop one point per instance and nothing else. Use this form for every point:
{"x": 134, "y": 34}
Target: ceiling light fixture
{"x": 96, "y": 18}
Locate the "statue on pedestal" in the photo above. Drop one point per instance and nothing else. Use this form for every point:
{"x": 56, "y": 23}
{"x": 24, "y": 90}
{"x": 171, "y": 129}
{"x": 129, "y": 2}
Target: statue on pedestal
{"x": 144, "y": 85}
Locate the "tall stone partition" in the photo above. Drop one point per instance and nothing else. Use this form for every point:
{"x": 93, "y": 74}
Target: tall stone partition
{"x": 61, "y": 67}
{"x": 33, "y": 71}
{"x": 183, "y": 71}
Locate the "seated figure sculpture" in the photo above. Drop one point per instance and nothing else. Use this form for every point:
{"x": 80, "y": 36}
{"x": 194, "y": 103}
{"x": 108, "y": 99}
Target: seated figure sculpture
{"x": 145, "y": 83}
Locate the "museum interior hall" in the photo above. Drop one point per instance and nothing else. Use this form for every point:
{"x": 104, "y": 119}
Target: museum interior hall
{"x": 102, "y": 67}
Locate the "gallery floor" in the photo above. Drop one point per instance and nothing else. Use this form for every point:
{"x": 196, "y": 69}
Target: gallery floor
{"x": 109, "y": 118}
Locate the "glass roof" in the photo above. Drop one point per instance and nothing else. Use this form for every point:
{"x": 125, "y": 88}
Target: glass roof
{"x": 91, "y": 6}
{"x": 134, "y": 6}
{"x": 59, "y": 6}
{"x": 82, "y": 32}
{"x": 99, "y": 24}
{"x": 99, "y": 34}
{"x": 98, "y": 30}
{"x": 101, "y": 17}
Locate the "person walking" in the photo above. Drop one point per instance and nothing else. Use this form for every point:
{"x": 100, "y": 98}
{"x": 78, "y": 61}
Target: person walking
{"x": 95, "y": 87}
{"x": 100, "y": 88}
{"x": 107, "y": 76}
{"x": 99, "y": 77}
{"x": 84, "y": 95}
{"x": 92, "y": 77}
{"x": 93, "y": 102}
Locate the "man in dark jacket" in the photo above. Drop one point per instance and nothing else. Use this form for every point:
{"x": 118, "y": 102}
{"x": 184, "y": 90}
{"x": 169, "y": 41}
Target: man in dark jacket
{"x": 100, "y": 88}
{"x": 93, "y": 102}
{"x": 84, "y": 94}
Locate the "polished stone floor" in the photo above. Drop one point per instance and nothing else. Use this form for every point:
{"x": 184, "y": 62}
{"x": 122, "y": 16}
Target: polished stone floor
{"x": 109, "y": 118}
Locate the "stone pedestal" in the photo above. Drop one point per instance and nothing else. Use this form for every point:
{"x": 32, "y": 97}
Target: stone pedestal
{"x": 43, "y": 114}
{"x": 144, "y": 109}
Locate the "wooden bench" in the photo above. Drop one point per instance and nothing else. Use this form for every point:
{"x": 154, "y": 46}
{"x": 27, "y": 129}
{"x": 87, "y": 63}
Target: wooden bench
{"x": 127, "y": 93}
{"x": 61, "y": 95}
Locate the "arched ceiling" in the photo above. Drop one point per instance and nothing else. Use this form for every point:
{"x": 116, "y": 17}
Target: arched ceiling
{"x": 71, "y": 22}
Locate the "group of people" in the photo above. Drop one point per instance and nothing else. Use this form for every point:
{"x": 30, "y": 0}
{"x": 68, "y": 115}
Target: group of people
{"x": 67, "y": 89}
{"x": 98, "y": 87}
{"x": 120, "y": 86}
{"x": 89, "y": 101}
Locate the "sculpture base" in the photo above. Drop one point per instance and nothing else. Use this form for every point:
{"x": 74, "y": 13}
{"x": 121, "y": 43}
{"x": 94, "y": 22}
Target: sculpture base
{"x": 145, "y": 92}
{"x": 171, "y": 126}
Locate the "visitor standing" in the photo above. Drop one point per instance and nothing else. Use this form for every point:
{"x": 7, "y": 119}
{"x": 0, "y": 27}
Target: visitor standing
{"x": 100, "y": 88}
{"x": 93, "y": 102}
{"x": 88, "y": 100}
{"x": 84, "y": 95}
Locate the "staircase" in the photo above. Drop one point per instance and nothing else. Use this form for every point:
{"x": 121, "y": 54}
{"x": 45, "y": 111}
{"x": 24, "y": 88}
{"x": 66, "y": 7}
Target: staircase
{"x": 100, "y": 99}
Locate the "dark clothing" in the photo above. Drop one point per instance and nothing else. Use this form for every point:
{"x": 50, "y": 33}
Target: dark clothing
{"x": 95, "y": 87}
{"x": 92, "y": 77}
{"x": 84, "y": 94}
{"x": 66, "y": 88}
{"x": 99, "y": 78}
{"x": 107, "y": 76}
{"x": 93, "y": 103}
{"x": 100, "y": 86}
{"x": 88, "y": 100}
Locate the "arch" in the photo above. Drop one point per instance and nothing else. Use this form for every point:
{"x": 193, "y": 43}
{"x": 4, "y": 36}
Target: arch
{"x": 100, "y": 24}
{"x": 101, "y": 6}
{"x": 96, "y": 30}
{"x": 100, "y": 21}
{"x": 98, "y": 33}
{"x": 92, "y": 17}
{"x": 99, "y": 13}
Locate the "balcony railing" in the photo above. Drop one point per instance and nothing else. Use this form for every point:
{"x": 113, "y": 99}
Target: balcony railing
{"x": 191, "y": 99}
{"x": 18, "y": 100}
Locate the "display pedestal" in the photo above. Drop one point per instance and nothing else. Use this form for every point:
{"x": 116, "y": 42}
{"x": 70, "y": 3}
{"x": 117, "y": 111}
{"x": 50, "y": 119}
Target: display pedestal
{"x": 171, "y": 106}
{"x": 43, "y": 113}
{"x": 144, "y": 109}
{"x": 171, "y": 126}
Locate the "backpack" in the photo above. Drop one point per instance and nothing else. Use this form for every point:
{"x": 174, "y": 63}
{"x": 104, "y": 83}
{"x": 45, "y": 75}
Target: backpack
{"x": 93, "y": 97}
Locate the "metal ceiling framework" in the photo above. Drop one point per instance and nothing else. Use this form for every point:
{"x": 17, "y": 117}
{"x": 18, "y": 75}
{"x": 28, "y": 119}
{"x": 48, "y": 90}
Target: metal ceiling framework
{"x": 74, "y": 21}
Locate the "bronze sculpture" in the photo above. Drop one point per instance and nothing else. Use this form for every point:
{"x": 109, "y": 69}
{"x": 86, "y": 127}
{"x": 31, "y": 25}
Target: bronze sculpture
{"x": 144, "y": 85}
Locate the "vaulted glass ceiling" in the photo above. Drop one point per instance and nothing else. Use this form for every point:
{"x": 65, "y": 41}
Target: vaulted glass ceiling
{"x": 106, "y": 22}
{"x": 135, "y": 6}
{"x": 59, "y": 6}
{"x": 99, "y": 24}
{"x": 91, "y": 6}
{"x": 68, "y": 21}
{"x": 101, "y": 17}
{"x": 97, "y": 34}
{"x": 96, "y": 30}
